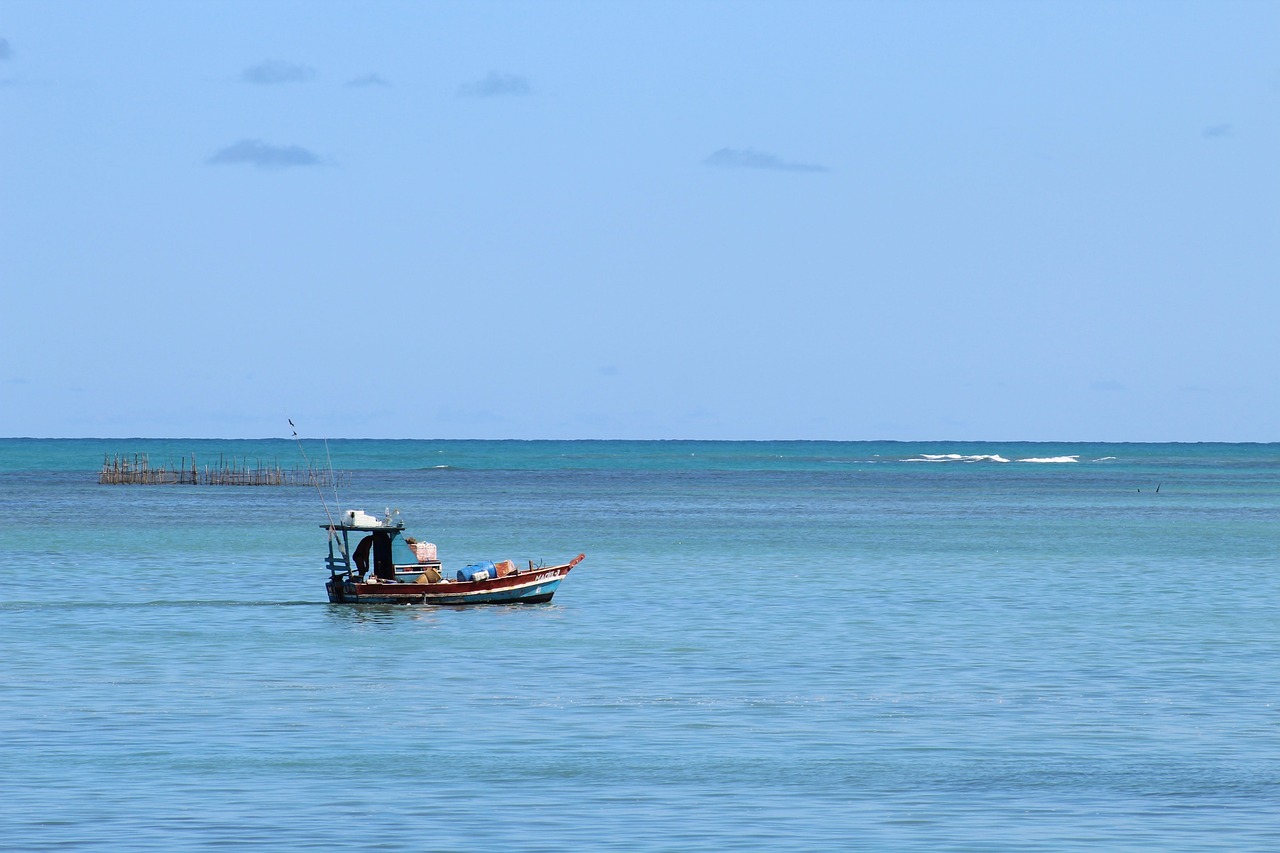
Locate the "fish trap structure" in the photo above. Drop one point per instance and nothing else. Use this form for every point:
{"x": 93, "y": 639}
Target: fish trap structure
{"x": 137, "y": 470}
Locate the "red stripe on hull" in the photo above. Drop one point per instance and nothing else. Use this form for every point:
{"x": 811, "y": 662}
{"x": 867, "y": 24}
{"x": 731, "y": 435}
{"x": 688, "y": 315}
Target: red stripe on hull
{"x": 448, "y": 592}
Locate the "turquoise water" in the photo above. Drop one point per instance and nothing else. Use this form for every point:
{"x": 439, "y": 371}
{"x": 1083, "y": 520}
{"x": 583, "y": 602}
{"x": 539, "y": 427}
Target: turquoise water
{"x": 770, "y": 646}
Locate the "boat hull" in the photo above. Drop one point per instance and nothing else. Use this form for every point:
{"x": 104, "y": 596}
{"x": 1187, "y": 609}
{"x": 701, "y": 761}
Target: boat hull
{"x": 535, "y": 586}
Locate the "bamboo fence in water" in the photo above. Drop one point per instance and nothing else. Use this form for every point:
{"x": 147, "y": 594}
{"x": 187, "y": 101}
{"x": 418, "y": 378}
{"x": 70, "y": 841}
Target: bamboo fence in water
{"x": 136, "y": 470}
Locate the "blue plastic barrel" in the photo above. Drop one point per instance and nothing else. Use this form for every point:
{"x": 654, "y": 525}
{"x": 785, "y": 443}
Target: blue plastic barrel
{"x": 469, "y": 572}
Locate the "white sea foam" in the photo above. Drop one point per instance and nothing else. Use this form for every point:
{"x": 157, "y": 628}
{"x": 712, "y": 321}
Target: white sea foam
{"x": 955, "y": 457}
{"x": 1052, "y": 460}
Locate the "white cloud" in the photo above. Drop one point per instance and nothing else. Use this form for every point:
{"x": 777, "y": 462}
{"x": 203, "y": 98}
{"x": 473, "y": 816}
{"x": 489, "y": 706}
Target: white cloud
{"x": 273, "y": 72}
{"x": 497, "y": 85}
{"x": 367, "y": 81}
{"x": 255, "y": 152}
{"x": 749, "y": 158}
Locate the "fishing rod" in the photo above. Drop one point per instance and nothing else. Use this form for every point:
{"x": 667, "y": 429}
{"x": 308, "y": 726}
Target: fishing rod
{"x": 333, "y": 478}
{"x": 314, "y": 480}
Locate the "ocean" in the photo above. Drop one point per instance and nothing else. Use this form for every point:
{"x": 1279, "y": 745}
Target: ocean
{"x": 770, "y": 646}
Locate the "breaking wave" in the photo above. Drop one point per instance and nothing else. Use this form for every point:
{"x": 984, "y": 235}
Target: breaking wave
{"x": 989, "y": 457}
{"x": 955, "y": 457}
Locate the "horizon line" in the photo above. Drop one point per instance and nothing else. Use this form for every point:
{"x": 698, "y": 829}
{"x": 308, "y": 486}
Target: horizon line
{"x": 690, "y": 440}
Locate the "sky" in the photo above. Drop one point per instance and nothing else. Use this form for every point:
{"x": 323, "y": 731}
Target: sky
{"x": 1054, "y": 221}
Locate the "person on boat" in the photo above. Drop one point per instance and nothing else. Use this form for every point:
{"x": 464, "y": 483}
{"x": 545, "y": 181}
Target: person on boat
{"x": 383, "y": 567}
{"x": 380, "y": 544}
{"x": 361, "y": 555}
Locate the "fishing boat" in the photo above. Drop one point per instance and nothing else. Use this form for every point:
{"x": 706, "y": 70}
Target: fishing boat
{"x": 371, "y": 561}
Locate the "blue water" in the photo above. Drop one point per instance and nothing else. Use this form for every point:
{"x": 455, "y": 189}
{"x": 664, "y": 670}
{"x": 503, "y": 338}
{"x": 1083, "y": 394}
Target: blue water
{"x": 799, "y": 646}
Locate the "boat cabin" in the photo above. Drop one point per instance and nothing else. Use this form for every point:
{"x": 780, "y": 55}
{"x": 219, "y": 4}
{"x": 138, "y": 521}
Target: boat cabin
{"x": 361, "y": 544}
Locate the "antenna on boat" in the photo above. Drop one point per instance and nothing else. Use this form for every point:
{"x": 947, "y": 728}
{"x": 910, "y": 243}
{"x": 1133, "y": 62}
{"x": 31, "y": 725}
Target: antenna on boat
{"x": 323, "y": 503}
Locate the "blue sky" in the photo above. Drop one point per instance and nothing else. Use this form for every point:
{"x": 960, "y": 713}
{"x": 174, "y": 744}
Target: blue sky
{"x": 854, "y": 220}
